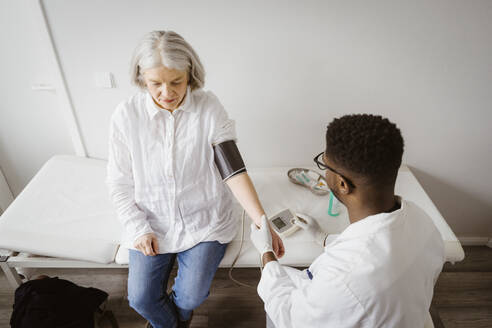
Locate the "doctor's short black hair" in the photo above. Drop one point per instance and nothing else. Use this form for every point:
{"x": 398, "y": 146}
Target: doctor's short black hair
{"x": 367, "y": 145}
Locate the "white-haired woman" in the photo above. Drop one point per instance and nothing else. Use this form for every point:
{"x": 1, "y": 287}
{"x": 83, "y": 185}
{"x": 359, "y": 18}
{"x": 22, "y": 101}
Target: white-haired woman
{"x": 165, "y": 184}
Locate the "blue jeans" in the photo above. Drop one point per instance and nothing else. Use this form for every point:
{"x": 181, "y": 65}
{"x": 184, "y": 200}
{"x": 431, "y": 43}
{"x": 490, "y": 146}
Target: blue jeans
{"x": 148, "y": 276}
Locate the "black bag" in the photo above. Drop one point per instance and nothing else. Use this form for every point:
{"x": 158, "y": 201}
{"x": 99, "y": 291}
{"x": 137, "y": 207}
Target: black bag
{"x": 55, "y": 303}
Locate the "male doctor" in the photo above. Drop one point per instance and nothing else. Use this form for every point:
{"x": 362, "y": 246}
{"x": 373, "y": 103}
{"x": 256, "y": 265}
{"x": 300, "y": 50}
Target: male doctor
{"x": 381, "y": 270}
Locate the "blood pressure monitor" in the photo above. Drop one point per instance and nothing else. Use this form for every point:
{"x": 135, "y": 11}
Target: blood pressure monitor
{"x": 284, "y": 223}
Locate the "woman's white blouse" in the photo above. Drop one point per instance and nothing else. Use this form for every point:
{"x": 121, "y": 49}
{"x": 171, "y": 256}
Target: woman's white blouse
{"x": 161, "y": 172}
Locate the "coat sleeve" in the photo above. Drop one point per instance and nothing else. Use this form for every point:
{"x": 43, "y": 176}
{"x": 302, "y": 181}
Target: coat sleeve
{"x": 323, "y": 301}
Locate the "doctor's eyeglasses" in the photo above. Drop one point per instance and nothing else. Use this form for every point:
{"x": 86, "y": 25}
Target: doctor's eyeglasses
{"x": 318, "y": 159}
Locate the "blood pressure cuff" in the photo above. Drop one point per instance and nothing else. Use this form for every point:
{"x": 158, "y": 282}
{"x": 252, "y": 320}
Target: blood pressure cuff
{"x": 228, "y": 159}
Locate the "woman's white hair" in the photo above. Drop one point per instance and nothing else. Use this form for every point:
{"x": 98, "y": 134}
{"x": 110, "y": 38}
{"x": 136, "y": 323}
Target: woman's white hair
{"x": 169, "y": 49}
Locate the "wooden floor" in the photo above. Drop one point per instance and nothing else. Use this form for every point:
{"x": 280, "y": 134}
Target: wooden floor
{"x": 463, "y": 293}
{"x": 462, "y": 298}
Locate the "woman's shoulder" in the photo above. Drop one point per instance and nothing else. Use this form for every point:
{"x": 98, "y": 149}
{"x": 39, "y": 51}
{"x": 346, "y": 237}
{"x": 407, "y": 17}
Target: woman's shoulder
{"x": 131, "y": 107}
{"x": 207, "y": 100}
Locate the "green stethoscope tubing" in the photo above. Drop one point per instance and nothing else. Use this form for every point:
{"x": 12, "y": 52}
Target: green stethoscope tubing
{"x": 330, "y": 207}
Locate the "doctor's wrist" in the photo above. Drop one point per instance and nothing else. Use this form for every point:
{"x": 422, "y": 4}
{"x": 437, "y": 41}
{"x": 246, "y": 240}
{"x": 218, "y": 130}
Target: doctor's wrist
{"x": 268, "y": 257}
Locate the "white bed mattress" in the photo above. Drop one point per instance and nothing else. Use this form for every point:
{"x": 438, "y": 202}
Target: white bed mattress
{"x": 65, "y": 211}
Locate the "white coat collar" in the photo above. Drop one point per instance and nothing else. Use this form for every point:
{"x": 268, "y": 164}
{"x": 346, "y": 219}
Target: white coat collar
{"x": 373, "y": 223}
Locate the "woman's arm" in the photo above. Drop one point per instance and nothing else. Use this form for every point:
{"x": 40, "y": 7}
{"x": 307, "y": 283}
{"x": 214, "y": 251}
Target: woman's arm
{"x": 245, "y": 193}
{"x": 223, "y": 130}
{"x": 120, "y": 183}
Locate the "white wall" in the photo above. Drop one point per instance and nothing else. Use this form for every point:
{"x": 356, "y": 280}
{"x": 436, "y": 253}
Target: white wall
{"x": 31, "y": 125}
{"x": 6, "y": 197}
{"x": 284, "y": 69}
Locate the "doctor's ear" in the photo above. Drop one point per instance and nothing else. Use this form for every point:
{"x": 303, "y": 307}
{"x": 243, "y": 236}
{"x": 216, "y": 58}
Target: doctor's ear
{"x": 343, "y": 186}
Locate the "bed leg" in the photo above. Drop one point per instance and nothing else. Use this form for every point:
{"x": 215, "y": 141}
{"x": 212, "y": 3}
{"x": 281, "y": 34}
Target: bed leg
{"x": 12, "y": 276}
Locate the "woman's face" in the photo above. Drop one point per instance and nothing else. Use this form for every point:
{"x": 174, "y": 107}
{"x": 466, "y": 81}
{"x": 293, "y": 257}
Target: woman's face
{"x": 166, "y": 85}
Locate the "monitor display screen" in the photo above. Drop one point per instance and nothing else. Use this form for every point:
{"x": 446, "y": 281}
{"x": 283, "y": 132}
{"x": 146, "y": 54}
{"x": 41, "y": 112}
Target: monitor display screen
{"x": 279, "y": 223}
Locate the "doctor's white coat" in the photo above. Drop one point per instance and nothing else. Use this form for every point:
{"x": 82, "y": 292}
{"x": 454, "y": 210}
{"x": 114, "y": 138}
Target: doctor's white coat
{"x": 379, "y": 272}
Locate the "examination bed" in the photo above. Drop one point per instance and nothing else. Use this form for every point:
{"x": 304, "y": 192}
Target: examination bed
{"x": 65, "y": 217}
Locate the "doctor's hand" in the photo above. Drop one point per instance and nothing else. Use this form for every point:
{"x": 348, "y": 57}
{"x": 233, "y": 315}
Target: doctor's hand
{"x": 147, "y": 244}
{"x": 261, "y": 237}
{"x": 312, "y": 227}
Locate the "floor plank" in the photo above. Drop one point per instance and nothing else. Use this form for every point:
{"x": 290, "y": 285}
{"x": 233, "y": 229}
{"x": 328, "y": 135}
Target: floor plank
{"x": 458, "y": 317}
{"x": 463, "y": 289}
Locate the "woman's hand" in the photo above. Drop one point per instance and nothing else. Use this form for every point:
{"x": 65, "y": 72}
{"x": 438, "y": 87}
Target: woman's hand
{"x": 245, "y": 193}
{"x": 277, "y": 244}
{"x": 147, "y": 244}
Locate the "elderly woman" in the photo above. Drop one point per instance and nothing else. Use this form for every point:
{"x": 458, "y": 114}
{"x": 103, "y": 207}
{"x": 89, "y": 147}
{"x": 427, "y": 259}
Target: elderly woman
{"x": 171, "y": 148}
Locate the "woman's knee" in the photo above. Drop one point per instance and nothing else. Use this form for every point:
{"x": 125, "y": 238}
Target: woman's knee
{"x": 141, "y": 297}
{"x": 190, "y": 300}
{"x": 141, "y": 302}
